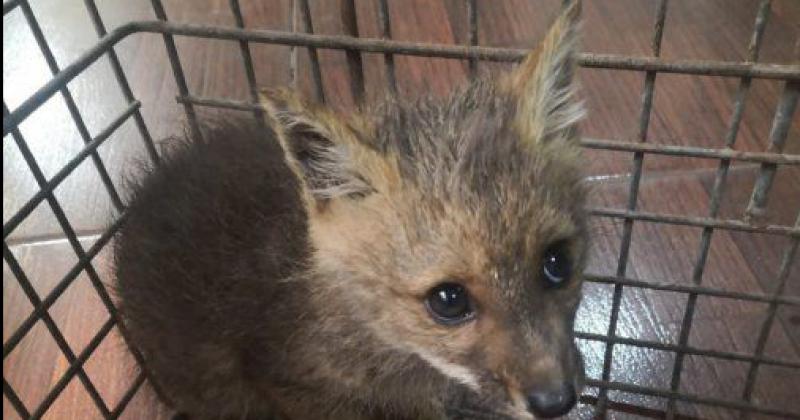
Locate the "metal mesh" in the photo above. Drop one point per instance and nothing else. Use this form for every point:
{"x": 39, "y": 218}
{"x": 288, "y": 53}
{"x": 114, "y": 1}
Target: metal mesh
{"x": 769, "y": 161}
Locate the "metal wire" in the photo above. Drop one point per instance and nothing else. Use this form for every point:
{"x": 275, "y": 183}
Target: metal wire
{"x": 777, "y": 139}
{"x": 627, "y": 230}
{"x": 769, "y": 161}
{"x": 716, "y": 199}
{"x": 119, "y": 74}
{"x": 72, "y": 107}
{"x": 655, "y": 345}
{"x": 695, "y": 289}
{"x": 355, "y": 65}
{"x": 177, "y": 69}
{"x": 388, "y": 58}
{"x": 26, "y": 286}
{"x": 589, "y": 143}
{"x": 313, "y": 55}
{"x": 61, "y": 175}
{"x": 604, "y": 61}
{"x": 783, "y": 278}
{"x": 643, "y": 390}
{"x": 472, "y": 34}
{"x": 128, "y": 396}
{"x": 13, "y": 398}
{"x": 73, "y": 369}
{"x": 51, "y": 326}
{"x": 247, "y": 62}
{"x": 17, "y": 336}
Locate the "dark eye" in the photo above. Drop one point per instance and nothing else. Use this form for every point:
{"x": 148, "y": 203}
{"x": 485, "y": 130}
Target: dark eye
{"x": 449, "y": 304}
{"x": 556, "y": 266}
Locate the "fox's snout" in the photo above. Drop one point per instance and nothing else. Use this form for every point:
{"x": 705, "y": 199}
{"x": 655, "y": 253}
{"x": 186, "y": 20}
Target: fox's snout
{"x": 552, "y": 400}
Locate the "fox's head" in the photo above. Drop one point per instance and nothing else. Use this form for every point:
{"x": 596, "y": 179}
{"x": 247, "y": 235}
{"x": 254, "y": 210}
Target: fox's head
{"x": 455, "y": 228}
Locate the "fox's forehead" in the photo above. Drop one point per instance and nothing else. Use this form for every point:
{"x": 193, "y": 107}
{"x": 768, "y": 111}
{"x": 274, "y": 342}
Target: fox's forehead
{"x": 462, "y": 166}
{"x": 488, "y": 242}
{"x": 469, "y": 144}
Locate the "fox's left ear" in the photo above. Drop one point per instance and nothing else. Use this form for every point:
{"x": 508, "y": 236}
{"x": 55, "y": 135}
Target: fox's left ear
{"x": 543, "y": 86}
{"x": 325, "y": 150}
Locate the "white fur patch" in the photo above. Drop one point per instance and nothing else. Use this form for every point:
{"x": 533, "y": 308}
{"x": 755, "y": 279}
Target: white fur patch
{"x": 456, "y": 372}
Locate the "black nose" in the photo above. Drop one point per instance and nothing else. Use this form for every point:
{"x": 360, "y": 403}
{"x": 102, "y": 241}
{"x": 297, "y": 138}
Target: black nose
{"x": 552, "y": 401}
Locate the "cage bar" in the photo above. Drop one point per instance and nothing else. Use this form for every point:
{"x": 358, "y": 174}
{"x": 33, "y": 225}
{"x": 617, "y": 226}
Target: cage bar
{"x": 293, "y": 63}
{"x": 769, "y": 161}
{"x": 777, "y": 140}
{"x": 388, "y": 58}
{"x": 674, "y": 219}
{"x": 60, "y": 287}
{"x": 66, "y": 227}
{"x": 128, "y": 396}
{"x": 33, "y": 297}
{"x": 696, "y": 289}
{"x": 119, "y": 74}
{"x": 627, "y": 232}
{"x": 73, "y": 369}
{"x": 72, "y": 107}
{"x": 177, "y": 68}
{"x": 247, "y": 62}
{"x": 589, "y": 60}
{"x": 655, "y": 345}
{"x": 313, "y": 55}
{"x": 10, "y": 5}
{"x": 472, "y": 35}
{"x": 783, "y": 278}
{"x": 716, "y": 198}
{"x": 13, "y": 398}
{"x": 355, "y": 65}
{"x": 61, "y": 175}
{"x": 690, "y": 151}
{"x": 717, "y": 402}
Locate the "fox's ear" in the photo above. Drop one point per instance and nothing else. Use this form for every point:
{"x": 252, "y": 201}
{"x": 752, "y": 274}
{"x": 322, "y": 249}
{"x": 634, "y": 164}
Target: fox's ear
{"x": 321, "y": 147}
{"x": 542, "y": 85}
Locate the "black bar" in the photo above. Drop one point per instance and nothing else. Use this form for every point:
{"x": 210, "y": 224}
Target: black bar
{"x": 72, "y": 107}
{"x": 128, "y": 396}
{"x": 60, "y": 287}
{"x": 606, "y": 61}
{"x": 33, "y": 297}
{"x": 355, "y": 65}
{"x": 119, "y": 74}
{"x": 73, "y": 369}
{"x": 13, "y": 398}
{"x": 61, "y": 175}
{"x": 386, "y": 33}
{"x": 177, "y": 69}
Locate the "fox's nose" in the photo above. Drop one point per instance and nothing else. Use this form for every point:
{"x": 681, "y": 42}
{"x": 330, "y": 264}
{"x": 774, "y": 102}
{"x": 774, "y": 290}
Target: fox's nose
{"x": 552, "y": 401}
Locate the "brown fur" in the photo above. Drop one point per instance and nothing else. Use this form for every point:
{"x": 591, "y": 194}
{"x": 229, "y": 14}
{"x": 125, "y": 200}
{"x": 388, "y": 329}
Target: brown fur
{"x": 260, "y": 286}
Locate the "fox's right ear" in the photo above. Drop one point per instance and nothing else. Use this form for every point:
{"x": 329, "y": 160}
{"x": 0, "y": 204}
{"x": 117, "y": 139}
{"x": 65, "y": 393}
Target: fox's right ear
{"x": 321, "y": 147}
{"x": 543, "y": 87}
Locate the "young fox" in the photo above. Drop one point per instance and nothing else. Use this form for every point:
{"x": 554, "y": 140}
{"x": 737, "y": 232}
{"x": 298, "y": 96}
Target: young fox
{"x": 420, "y": 262}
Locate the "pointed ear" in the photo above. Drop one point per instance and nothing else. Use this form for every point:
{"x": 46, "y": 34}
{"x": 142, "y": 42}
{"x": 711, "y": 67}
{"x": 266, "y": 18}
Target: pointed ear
{"x": 320, "y": 146}
{"x": 543, "y": 86}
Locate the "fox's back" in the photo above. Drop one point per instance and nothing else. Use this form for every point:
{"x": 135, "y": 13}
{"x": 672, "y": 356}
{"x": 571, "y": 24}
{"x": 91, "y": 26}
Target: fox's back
{"x": 210, "y": 234}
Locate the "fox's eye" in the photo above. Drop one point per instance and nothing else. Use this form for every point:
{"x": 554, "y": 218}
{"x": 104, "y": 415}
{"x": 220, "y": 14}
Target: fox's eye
{"x": 449, "y": 304}
{"x": 556, "y": 266}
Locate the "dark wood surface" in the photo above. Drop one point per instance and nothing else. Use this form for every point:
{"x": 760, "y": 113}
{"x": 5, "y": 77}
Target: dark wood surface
{"x": 687, "y": 110}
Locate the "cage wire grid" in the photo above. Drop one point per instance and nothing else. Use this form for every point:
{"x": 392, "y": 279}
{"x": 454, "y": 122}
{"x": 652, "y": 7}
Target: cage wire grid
{"x": 302, "y": 35}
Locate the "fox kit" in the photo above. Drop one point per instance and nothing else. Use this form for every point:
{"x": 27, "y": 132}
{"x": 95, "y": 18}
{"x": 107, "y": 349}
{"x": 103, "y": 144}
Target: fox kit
{"x": 422, "y": 261}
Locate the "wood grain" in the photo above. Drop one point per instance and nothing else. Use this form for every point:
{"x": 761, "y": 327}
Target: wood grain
{"x": 687, "y": 110}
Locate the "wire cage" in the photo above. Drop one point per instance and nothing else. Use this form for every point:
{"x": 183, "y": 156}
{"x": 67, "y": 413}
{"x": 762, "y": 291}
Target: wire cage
{"x": 607, "y": 394}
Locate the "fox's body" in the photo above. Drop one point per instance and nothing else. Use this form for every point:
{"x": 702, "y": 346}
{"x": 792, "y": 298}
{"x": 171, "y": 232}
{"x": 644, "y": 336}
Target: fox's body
{"x": 378, "y": 266}
{"x": 229, "y": 319}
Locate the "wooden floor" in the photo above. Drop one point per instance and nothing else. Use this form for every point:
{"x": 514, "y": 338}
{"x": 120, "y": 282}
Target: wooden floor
{"x": 687, "y": 110}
